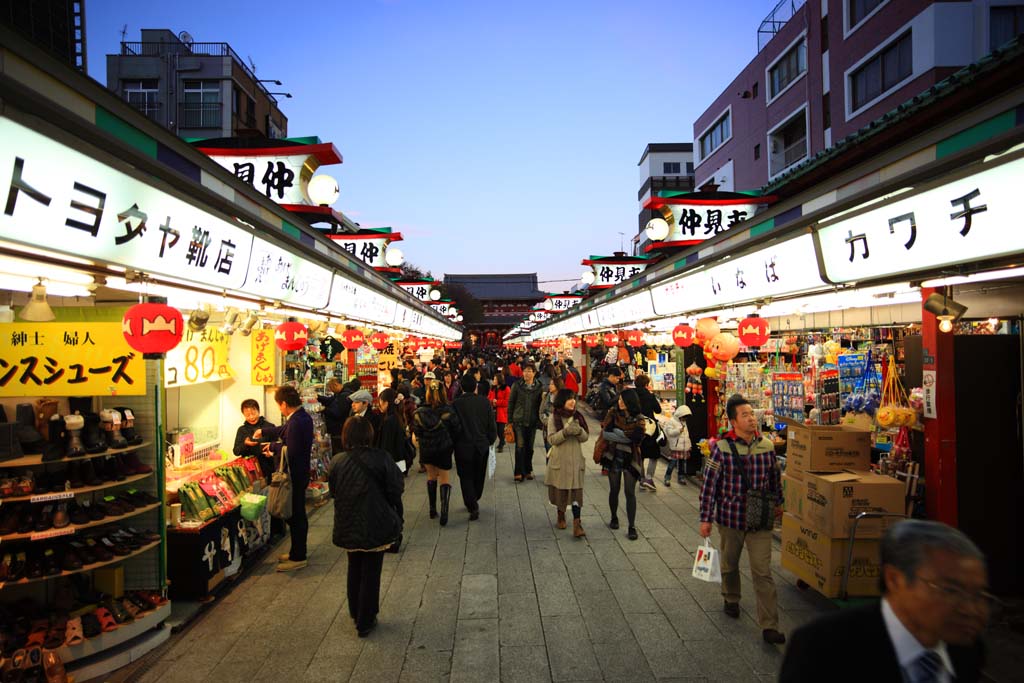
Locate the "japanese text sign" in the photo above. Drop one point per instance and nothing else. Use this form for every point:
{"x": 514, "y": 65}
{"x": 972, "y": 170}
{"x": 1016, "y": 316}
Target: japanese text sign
{"x": 965, "y": 220}
{"x": 280, "y": 178}
{"x": 264, "y": 357}
{"x": 200, "y": 357}
{"x": 420, "y": 290}
{"x": 785, "y": 268}
{"x": 697, "y": 220}
{"x": 72, "y": 203}
{"x": 627, "y": 310}
{"x": 349, "y": 298}
{"x": 279, "y": 274}
{"x": 68, "y": 359}
{"x": 368, "y": 250}
{"x": 611, "y": 274}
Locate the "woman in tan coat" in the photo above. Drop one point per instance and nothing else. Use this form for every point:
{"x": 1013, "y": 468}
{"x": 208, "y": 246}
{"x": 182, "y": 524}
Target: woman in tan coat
{"x": 566, "y": 430}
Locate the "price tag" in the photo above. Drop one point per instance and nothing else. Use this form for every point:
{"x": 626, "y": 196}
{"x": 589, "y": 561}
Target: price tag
{"x": 47, "y": 497}
{"x": 52, "y": 533}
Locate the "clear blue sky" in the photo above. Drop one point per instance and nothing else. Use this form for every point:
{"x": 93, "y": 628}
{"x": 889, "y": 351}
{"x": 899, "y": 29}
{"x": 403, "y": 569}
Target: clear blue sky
{"x": 497, "y": 137}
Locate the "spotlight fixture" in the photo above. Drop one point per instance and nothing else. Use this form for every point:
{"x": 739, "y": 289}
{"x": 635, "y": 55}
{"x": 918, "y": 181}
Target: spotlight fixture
{"x": 250, "y": 322}
{"x": 37, "y": 309}
{"x": 198, "y": 319}
{"x": 230, "y": 323}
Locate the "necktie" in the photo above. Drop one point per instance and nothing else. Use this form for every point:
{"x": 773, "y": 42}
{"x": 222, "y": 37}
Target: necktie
{"x": 926, "y": 668}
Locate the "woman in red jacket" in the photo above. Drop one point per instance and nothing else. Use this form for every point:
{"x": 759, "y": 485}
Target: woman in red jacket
{"x": 499, "y": 400}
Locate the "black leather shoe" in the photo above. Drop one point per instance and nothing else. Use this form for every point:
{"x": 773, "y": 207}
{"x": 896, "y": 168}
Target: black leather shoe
{"x": 632, "y": 534}
{"x": 772, "y": 636}
{"x": 732, "y": 609}
{"x": 614, "y": 524}
{"x": 364, "y": 632}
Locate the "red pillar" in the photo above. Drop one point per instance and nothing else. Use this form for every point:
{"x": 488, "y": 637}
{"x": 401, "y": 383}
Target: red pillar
{"x": 939, "y": 432}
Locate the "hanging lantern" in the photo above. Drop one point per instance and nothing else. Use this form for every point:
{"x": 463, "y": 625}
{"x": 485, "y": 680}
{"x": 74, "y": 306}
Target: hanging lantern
{"x": 379, "y": 341}
{"x": 352, "y": 339}
{"x": 291, "y": 336}
{"x": 706, "y": 329}
{"x": 683, "y": 335}
{"x": 575, "y": 342}
{"x": 611, "y": 339}
{"x": 754, "y": 331}
{"x": 152, "y": 329}
{"x": 592, "y": 339}
{"x": 453, "y": 345}
{"x": 635, "y": 338}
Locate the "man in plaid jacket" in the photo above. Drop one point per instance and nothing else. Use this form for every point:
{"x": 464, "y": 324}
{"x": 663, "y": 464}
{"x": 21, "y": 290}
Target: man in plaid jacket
{"x": 723, "y": 500}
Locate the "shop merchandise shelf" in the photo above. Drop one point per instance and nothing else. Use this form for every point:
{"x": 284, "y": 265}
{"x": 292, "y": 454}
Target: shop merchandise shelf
{"x": 85, "y": 568}
{"x": 122, "y": 634}
{"x": 37, "y": 459}
{"x": 71, "y": 493}
{"x": 70, "y": 529}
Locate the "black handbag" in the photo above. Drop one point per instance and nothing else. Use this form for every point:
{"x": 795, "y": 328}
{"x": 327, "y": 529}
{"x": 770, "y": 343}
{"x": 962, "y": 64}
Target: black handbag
{"x": 760, "y": 508}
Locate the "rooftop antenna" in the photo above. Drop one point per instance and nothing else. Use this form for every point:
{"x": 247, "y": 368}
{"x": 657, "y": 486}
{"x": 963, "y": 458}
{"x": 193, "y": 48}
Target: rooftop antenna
{"x": 186, "y": 38}
{"x": 124, "y": 32}
{"x": 252, "y": 64}
{"x": 621, "y": 234}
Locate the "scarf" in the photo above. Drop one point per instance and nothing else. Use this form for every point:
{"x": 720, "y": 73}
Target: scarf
{"x": 561, "y": 414}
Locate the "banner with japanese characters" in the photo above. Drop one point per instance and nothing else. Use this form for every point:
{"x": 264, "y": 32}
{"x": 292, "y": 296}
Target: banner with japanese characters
{"x": 608, "y": 274}
{"x": 68, "y": 359}
{"x": 264, "y": 357}
{"x": 277, "y": 273}
{"x": 281, "y": 173}
{"x": 369, "y": 250}
{"x": 968, "y": 219}
{"x": 200, "y": 357}
{"x": 74, "y": 204}
{"x": 692, "y": 219}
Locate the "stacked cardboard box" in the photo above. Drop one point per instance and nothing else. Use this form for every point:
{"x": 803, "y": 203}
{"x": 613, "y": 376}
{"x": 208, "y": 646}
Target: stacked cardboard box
{"x": 827, "y": 481}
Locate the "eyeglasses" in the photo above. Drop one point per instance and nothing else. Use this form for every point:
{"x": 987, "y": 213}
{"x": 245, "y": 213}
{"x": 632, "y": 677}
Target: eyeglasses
{"x": 959, "y": 596}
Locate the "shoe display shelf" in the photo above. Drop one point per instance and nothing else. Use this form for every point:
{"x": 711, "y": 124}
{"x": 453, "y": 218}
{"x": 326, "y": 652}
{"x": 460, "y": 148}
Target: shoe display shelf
{"x": 108, "y": 641}
{"x": 70, "y": 529}
{"x": 84, "y": 568}
{"x": 71, "y": 493}
{"x": 37, "y": 460}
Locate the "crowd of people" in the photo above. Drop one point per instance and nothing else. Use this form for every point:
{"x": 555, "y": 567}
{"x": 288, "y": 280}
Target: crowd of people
{"x": 455, "y": 411}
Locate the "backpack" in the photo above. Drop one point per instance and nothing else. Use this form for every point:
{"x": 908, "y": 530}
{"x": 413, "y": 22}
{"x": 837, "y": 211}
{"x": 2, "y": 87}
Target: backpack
{"x": 434, "y": 434}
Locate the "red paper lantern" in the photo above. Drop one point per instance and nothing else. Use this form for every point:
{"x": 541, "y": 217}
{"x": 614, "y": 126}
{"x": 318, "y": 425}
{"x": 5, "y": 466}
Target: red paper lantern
{"x": 635, "y": 338}
{"x": 576, "y": 342}
{"x": 379, "y": 341}
{"x": 754, "y": 331}
{"x": 453, "y": 345}
{"x": 683, "y": 335}
{"x": 352, "y": 339}
{"x": 152, "y": 328}
{"x": 591, "y": 339}
{"x": 291, "y": 336}
{"x": 611, "y": 339}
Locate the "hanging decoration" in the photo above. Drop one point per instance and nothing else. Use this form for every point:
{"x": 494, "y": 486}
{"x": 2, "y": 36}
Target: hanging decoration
{"x": 706, "y": 329}
{"x": 754, "y": 331}
{"x": 611, "y": 339}
{"x": 635, "y": 338}
{"x": 152, "y": 329}
{"x": 291, "y": 336}
{"x": 379, "y": 341}
{"x": 575, "y": 342}
{"x": 683, "y": 335}
{"x": 694, "y": 386}
{"x": 352, "y": 339}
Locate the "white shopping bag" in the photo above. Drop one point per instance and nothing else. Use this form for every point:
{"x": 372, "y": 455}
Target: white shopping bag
{"x": 492, "y": 462}
{"x": 706, "y": 565}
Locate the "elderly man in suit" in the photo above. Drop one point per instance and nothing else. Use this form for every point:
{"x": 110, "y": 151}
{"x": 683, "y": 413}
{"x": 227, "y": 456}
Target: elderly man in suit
{"x": 927, "y": 627}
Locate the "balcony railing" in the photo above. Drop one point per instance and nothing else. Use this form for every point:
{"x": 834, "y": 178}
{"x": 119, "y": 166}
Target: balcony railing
{"x": 199, "y": 114}
{"x": 779, "y": 17}
{"x": 150, "y": 109}
{"x": 795, "y": 152}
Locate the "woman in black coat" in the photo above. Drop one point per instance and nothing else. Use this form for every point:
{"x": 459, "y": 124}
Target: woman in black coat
{"x": 393, "y": 436}
{"x": 367, "y": 489}
{"x": 649, "y": 450}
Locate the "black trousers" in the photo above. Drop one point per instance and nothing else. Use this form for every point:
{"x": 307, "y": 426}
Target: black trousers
{"x": 364, "y": 587}
{"x": 525, "y": 437}
{"x": 471, "y": 464}
{"x": 298, "y": 525}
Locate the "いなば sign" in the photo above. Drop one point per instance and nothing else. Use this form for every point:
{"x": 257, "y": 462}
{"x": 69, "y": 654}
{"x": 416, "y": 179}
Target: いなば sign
{"x": 68, "y": 359}
{"x": 264, "y": 357}
{"x": 200, "y": 357}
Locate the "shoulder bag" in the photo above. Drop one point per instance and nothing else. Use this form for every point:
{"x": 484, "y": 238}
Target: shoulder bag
{"x": 760, "y": 510}
{"x": 279, "y": 498}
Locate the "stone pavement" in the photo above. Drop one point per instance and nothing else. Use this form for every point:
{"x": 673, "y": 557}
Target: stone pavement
{"x": 508, "y": 598}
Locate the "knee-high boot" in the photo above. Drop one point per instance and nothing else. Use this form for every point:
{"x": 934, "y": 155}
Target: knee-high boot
{"x": 432, "y": 497}
{"x": 446, "y": 494}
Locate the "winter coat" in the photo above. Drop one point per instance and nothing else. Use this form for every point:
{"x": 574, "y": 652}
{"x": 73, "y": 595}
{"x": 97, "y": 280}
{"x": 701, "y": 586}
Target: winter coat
{"x": 500, "y": 397}
{"x": 524, "y": 403}
{"x": 392, "y": 437}
{"x": 567, "y": 466}
{"x": 649, "y": 406}
{"x": 477, "y": 420}
{"x": 453, "y": 390}
{"x": 676, "y": 431}
{"x": 245, "y": 432}
{"x": 297, "y": 434}
{"x": 545, "y": 410}
{"x": 367, "y": 499}
{"x": 571, "y": 383}
{"x": 608, "y": 395}
{"x": 435, "y": 430}
{"x": 624, "y": 432}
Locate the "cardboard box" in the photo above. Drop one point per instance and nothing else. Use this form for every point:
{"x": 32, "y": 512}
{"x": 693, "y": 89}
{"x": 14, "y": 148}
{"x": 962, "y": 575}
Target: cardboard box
{"x": 794, "y": 494}
{"x": 820, "y": 560}
{"x": 830, "y": 500}
{"x": 826, "y": 448}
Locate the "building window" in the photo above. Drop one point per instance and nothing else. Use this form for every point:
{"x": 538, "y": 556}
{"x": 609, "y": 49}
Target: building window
{"x": 826, "y": 110}
{"x": 716, "y": 135}
{"x": 882, "y": 72}
{"x": 1004, "y": 24}
{"x": 824, "y": 34}
{"x": 689, "y": 168}
{"x": 757, "y": 152}
{"x": 790, "y": 66}
{"x": 142, "y": 95}
{"x": 860, "y": 9}
{"x": 670, "y": 168}
{"x": 200, "y": 105}
{"x": 788, "y": 143}
{"x": 753, "y": 89}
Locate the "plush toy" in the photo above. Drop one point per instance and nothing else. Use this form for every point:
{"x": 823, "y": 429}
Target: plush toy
{"x": 706, "y": 329}
{"x": 832, "y": 349}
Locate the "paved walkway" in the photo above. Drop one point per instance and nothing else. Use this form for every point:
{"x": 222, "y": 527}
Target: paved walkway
{"x": 508, "y": 598}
